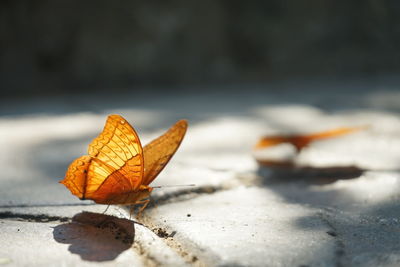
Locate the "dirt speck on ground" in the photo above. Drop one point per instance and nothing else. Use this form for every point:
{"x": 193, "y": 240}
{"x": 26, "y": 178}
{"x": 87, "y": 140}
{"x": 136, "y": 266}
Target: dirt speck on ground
{"x": 163, "y": 233}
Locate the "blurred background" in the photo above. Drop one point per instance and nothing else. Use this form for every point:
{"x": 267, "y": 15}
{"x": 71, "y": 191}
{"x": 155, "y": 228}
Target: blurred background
{"x": 58, "y": 47}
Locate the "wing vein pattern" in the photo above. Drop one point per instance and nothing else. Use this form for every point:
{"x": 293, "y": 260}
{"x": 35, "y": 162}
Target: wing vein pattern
{"x": 158, "y": 152}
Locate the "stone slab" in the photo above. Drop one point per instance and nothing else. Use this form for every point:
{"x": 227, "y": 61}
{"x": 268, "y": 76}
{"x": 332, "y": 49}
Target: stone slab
{"x": 238, "y": 213}
{"x": 247, "y": 226}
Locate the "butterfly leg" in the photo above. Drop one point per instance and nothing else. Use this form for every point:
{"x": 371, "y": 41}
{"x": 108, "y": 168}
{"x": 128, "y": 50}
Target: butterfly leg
{"x": 106, "y": 209}
{"x": 145, "y": 203}
{"x": 131, "y": 210}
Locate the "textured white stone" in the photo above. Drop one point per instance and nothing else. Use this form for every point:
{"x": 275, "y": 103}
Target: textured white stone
{"x": 249, "y": 227}
{"x": 282, "y": 219}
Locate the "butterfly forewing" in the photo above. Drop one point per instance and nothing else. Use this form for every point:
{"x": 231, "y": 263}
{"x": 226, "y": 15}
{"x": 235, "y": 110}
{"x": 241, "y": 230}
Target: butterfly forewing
{"x": 160, "y": 150}
{"x": 118, "y": 146}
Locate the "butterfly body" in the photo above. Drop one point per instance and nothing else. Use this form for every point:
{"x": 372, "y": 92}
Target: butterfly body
{"x": 118, "y": 170}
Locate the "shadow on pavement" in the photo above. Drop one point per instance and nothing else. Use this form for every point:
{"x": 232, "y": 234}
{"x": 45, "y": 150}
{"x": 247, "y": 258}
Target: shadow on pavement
{"x": 365, "y": 232}
{"x": 368, "y": 238}
{"x": 307, "y": 175}
{"x": 96, "y": 237}
{"x": 310, "y": 185}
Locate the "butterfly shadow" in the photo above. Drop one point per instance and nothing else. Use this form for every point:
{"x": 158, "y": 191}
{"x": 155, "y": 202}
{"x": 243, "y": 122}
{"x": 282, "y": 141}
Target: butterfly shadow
{"x": 309, "y": 185}
{"x": 273, "y": 173}
{"x": 96, "y": 237}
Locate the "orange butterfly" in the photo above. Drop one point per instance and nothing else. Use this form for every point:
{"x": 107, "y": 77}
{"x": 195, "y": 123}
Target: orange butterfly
{"x": 118, "y": 170}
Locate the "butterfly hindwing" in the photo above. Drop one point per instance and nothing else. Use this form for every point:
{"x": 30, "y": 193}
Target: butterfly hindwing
{"x": 158, "y": 152}
{"x": 75, "y": 178}
{"x": 105, "y": 183}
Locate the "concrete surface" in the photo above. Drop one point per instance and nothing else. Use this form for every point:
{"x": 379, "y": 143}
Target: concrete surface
{"x": 339, "y": 206}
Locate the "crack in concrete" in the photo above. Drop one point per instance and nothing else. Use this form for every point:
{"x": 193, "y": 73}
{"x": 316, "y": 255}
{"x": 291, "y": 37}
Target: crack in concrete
{"x": 140, "y": 248}
{"x": 340, "y": 252}
{"x": 176, "y": 196}
{"x": 147, "y": 259}
{"x": 46, "y": 205}
{"x": 189, "y": 257}
{"x": 187, "y": 254}
{"x": 43, "y": 218}
{"x": 185, "y": 194}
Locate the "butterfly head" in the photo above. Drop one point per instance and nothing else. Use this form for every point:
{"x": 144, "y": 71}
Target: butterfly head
{"x": 145, "y": 191}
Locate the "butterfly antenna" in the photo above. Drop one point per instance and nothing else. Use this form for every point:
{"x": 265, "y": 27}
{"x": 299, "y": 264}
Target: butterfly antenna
{"x": 178, "y": 185}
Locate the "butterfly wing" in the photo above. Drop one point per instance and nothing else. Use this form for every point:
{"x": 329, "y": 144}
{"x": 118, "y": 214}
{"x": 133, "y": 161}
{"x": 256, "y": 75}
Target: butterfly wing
{"x": 113, "y": 167}
{"x": 118, "y": 146}
{"x": 158, "y": 152}
{"x": 107, "y": 185}
{"x": 75, "y": 178}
